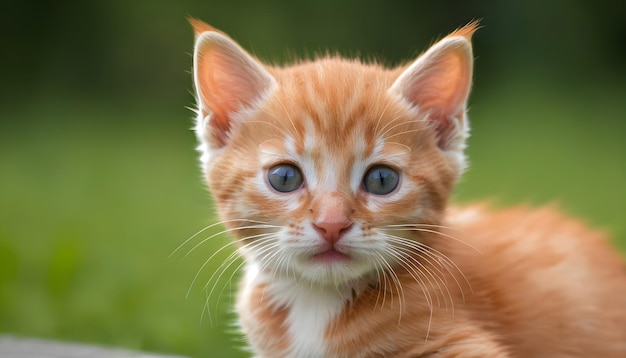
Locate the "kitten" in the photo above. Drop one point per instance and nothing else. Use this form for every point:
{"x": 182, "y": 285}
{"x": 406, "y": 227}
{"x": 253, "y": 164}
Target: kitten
{"x": 334, "y": 177}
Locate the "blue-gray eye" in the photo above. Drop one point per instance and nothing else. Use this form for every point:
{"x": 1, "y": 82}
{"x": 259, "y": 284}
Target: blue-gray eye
{"x": 381, "y": 180}
{"x": 285, "y": 178}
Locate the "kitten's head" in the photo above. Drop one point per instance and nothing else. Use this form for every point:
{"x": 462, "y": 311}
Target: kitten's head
{"x": 324, "y": 168}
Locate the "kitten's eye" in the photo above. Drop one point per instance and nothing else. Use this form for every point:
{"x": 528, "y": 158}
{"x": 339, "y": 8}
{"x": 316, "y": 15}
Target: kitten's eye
{"x": 381, "y": 180}
{"x": 285, "y": 178}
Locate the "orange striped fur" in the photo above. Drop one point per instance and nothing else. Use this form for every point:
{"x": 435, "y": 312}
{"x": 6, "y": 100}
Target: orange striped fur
{"x": 334, "y": 176}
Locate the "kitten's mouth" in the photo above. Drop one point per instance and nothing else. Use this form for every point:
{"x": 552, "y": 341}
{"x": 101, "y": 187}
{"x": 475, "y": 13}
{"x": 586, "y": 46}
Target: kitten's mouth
{"x": 331, "y": 256}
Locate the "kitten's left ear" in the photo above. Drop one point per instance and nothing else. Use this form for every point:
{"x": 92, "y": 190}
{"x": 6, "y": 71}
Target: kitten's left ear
{"x": 438, "y": 83}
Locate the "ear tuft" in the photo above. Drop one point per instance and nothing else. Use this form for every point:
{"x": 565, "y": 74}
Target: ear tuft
{"x": 200, "y": 26}
{"x": 466, "y": 31}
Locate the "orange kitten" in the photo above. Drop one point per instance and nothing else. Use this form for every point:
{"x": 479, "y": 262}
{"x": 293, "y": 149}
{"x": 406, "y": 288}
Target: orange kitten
{"x": 334, "y": 177}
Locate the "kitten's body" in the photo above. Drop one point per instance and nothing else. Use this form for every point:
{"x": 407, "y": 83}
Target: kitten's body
{"x": 549, "y": 287}
{"x": 344, "y": 264}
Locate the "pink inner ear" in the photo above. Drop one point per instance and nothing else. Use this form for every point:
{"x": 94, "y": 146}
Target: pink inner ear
{"x": 442, "y": 90}
{"x": 438, "y": 84}
{"x": 228, "y": 80}
{"x": 222, "y": 91}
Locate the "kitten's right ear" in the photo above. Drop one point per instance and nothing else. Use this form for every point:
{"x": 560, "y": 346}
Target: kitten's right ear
{"x": 227, "y": 80}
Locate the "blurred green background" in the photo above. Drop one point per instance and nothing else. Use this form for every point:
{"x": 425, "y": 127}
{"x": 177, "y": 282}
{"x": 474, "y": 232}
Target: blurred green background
{"x": 99, "y": 181}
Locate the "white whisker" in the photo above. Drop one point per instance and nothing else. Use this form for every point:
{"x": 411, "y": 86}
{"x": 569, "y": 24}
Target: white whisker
{"x": 268, "y": 123}
{"x": 397, "y": 284}
{"x": 380, "y": 118}
{"x": 293, "y": 125}
{"x": 211, "y": 226}
{"x": 250, "y": 227}
{"x": 387, "y": 124}
{"x": 209, "y": 294}
{"x": 404, "y": 132}
{"x": 217, "y": 275}
{"x": 409, "y": 149}
{"x": 381, "y": 261}
{"x": 414, "y": 226}
{"x": 401, "y": 260}
{"x": 234, "y": 254}
{"x": 411, "y": 270}
{"x": 441, "y": 259}
{"x": 417, "y": 228}
{"x": 420, "y": 267}
{"x": 378, "y": 269}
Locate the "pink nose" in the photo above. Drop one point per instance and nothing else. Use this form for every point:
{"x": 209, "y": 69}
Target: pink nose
{"x": 332, "y": 231}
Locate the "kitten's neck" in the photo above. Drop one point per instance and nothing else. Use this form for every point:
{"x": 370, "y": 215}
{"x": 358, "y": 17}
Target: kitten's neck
{"x": 280, "y": 286}
{"x": 306, "y": 308}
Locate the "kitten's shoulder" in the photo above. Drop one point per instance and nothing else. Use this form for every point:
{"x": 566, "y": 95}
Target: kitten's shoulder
{"x": 522, "y": 227}
{"x": 536, "y": 268}
{"x": 532, "y": 239}
{"x": 517, "y": 220}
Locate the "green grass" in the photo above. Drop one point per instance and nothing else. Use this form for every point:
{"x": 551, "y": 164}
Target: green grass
{"x": 535, "y": 143}
{"x": 90, "y": 212}
{"x": 94, "y": 200}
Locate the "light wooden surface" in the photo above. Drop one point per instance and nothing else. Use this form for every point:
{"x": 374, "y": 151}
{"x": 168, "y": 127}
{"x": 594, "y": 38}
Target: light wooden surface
{"x": 12, "y": 347}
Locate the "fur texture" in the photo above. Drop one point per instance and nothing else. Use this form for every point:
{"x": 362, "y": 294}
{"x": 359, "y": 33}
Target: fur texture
{"x": 334, "y": 176}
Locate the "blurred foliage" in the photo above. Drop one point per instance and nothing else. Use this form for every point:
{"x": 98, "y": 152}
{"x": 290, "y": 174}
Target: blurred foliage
{"x": 140, "y": 49}
{"x": 99, "y": 181}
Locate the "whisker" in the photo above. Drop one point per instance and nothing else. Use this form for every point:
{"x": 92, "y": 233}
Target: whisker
{"x": 206, "y": 262}
{"x": 293, "y": 125}
{"x": 439, "y": 257}
{"x": 279, "y": 258}
{"x": 289, "y": 265}
{"x": 281, "y": 130}
{"x": 425, "y": 291}
{"x": 223, "y": 266}
{"x": 229, "y": 280}
{"x": 387, "y": 124}
{"x": 440, "y": 279}
{"x": 267, "y": 261}
{"x": 230, "y": 260}
{"x": 386, "y": 138}
{"x": 413, "y": 226}
{"x": 381, "y": 261}
{"x": 209, "y": 227}
{"x": 409, "y": 149}
{"x": 411, "y": 270}
{"x": 397, "y": 285}
{"x": 260, "y": 226}
{"x": 380, "y": 118}
{"x": 420, "y": 267}
{"x": 404, "y": 132}
{"x": 377, "y": 268}
{"x": 437, "y": 279}
{"x": 419, "y": 229}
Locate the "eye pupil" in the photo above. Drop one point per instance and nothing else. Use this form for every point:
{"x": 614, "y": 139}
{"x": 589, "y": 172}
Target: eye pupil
{"x": 285, "y": 178}
{"x": 381, "y": 180}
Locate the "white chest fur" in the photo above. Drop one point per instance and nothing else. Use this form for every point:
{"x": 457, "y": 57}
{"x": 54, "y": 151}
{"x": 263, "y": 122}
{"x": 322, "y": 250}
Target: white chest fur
{"x": 310, "y": 310}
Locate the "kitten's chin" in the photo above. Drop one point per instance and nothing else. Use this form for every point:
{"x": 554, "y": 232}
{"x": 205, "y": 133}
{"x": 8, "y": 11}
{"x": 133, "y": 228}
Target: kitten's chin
{"x": 331, "y": 257}
{"x": 333, "y": 268}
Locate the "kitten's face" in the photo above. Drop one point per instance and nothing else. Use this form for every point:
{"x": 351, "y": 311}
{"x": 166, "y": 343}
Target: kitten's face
{"x": 322, "y": 168}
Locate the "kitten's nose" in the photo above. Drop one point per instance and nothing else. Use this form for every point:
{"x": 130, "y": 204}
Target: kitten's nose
{"x": 332, "y": 212}
{"x": 332, "y": 231}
